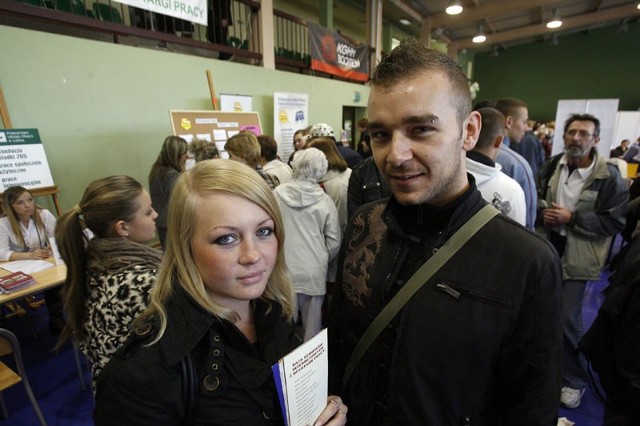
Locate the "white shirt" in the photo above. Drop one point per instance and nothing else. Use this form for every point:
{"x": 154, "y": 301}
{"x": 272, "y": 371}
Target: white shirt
{"x": 570, "y": 187}
{"x": 279, "y": 169}
{"x": 33, "y": 237}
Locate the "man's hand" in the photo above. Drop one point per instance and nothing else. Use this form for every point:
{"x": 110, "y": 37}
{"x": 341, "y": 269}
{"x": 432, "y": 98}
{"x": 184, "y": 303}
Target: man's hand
{"x": 556, "y": 215}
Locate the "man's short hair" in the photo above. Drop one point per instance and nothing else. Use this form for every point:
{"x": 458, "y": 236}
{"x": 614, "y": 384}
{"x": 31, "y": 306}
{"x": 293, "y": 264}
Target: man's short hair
{"x": 509, "y": 106}
{"x": 583, "y": 117}
{"x": 492, "y": 127}
{"x": 412, "y": 57}
{"x": 268, "y": 147}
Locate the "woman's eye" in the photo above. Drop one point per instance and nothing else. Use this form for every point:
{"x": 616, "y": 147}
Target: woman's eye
{"x": 265, "y": 232}
{"x": 225, "y": 240}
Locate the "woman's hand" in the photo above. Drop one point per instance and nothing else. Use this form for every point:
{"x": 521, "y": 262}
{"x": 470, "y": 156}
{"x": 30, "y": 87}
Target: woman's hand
{"x": 334, "y": 414}
{"x": 40, "y": 254}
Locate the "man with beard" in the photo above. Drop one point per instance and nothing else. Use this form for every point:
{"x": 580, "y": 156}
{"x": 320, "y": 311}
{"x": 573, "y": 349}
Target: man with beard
{"x": 583, "y": 202}
{"x": 479, "y": 342}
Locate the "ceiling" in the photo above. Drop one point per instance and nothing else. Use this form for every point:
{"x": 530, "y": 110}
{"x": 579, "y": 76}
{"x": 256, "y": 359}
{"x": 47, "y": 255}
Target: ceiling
{"x": 506, "y": 22}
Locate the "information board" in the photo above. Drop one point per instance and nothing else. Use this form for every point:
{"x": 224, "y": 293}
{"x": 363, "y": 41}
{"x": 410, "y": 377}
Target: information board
{"x": 213, "y": 126}
{"x": 23, "y": 161}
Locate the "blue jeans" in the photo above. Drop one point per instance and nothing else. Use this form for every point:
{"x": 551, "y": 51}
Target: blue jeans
{"x": 574, "y": 363}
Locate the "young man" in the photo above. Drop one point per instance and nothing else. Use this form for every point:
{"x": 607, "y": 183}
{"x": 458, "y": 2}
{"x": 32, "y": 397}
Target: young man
{"x": 584, "y": 202}
{"x": 480, "y": 342}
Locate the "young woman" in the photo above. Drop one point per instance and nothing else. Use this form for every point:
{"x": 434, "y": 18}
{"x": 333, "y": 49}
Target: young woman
{"x": 25, "y": 230}
{"x": 164, "y": 172}
{"x": 220, "y": 314}
{"x": 299, "y": 141}
{"x": 110, "y": 276}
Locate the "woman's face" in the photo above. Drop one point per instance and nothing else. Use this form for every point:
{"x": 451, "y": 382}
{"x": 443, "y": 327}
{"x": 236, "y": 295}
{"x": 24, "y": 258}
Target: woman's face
{"x": 234, "y": 253}
{"x": 24, "y": 206}
{"x": 142, "y": 228}
{"x": 299, "y": 141}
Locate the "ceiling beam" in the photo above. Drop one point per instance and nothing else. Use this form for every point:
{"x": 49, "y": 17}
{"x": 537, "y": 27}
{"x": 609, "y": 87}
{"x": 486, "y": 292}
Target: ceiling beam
{"x": 412, "y": 13}
{"x": 474, "y": 14}
{"x": 569, "y": 23}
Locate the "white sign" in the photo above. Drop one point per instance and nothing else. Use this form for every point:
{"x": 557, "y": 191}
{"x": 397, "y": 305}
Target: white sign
{"x": 189, "y": 10}
{"x": 290, "y": 114}
{"x": 22, "y": 160}
{"x": 236, "y": 103}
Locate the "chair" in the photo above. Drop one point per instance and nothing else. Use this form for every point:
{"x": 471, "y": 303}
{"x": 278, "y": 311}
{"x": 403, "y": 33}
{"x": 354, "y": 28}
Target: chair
{"x": 8, "y": 377}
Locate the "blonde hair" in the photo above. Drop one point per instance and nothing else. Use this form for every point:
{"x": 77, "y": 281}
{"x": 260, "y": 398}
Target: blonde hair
{"x": 328, "y": 146}
{"x": 178, "y": 266}
{"x": 245, "y": 145}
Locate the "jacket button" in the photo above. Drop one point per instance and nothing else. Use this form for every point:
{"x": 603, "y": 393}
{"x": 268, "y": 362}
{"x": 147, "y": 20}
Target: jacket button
{"x": 214, "y": 367}
{"x": 211, "y": 383}
{"x": 216, "y": 338}
{"x": 216, "y": 352}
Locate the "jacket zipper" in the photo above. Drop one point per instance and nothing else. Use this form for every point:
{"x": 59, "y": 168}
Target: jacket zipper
{"x": 385, "y": 285}
{"x": 457, "y": 293}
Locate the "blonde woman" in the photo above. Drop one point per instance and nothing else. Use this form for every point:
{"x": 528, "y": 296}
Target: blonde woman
{"x": 220, "y": 314}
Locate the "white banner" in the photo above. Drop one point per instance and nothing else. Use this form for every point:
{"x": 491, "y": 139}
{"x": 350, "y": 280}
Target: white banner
{"x": 22, "y": 160}
{"x": 189, "y": 10}
{"x": 290, "y": 114}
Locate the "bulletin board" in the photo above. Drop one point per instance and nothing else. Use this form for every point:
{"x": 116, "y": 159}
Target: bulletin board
{"x": 213, "y": 126}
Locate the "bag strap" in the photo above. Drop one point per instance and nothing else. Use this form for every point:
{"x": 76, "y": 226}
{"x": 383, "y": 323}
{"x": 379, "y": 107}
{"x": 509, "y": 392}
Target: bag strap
{"x": 417, "y": 280}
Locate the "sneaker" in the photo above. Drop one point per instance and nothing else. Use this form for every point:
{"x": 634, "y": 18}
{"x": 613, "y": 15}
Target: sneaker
{"x": 571, "y": 398}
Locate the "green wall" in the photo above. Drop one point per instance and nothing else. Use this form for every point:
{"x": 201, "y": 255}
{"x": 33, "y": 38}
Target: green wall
{"x": 103, "y": 109}
{"x": 598, "y": 64}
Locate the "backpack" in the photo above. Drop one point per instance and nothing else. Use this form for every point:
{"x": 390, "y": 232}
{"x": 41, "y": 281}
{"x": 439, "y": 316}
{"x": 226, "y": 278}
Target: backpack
{"x": 612, "y": 344}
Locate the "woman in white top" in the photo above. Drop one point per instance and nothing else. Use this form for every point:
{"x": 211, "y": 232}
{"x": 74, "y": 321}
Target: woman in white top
{"x": 25, "y": 230}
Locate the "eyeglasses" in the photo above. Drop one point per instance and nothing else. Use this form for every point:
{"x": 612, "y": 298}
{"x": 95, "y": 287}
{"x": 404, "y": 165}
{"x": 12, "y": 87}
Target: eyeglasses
{"x": 582, "y": 134}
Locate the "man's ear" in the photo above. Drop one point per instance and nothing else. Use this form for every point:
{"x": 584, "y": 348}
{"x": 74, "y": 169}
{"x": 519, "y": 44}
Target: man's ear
{"x": 498, "y": 142}
{"x": 508, "y": 121}
{"x": 471, "y": 130}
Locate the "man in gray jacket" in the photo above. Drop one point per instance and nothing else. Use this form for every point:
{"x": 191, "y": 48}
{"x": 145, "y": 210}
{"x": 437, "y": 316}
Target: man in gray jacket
{"x": 584, "y": 202}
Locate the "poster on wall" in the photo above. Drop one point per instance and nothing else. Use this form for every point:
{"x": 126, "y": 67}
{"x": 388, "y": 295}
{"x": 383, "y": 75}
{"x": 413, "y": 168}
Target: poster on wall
{"x": 290, "y": 114}
{"x": 23, "y": 161}
{"x": 189, "y": 10}
{"x": 605, "y": 110}
{"x": 236, "y": 103}
{"x": 334, "y": 54}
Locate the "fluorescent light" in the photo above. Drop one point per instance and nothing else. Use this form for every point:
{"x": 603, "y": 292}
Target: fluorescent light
{"x": 454, "y": 8}
{"x": 405, "y": 21}
{"x": 480, "y": 38}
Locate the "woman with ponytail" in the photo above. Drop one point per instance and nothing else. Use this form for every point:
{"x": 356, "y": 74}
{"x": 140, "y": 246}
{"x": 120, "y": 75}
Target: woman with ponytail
{"x": 109, "y": 276}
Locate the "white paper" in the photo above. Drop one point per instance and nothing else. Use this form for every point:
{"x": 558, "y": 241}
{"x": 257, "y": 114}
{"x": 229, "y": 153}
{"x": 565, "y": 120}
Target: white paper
{"x": 27, "y": 266}
{"x": 220, "y": 135}
{"x": 304, "y": 374}
{"x": 55, "y": 251}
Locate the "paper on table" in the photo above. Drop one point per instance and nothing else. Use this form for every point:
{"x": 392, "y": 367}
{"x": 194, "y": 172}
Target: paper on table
{"x": 302, "y": 381}
{"x": 26, "y": 266}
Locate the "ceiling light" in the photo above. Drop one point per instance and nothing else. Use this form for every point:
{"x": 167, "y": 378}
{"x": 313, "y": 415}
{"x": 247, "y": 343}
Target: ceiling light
{"x": 405, "y": 21}
{"x": 555, "y": 21}
{"x": 638, "y": 5}
{"x": 454, "y": 8}
{"x": 480, "y": 37}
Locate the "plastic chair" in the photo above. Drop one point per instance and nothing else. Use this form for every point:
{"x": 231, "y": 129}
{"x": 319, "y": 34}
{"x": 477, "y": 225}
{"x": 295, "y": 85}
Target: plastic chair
{"x": 8, "y": 377}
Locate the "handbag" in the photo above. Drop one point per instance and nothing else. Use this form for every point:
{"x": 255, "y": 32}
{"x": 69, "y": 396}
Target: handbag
{"x": 417, "y": 280}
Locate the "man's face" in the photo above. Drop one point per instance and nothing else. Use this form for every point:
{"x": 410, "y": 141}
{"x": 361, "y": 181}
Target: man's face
{"x": 418, "y": 144}
{"x": 578, "y": 141}
{"x": 517, "y": 124}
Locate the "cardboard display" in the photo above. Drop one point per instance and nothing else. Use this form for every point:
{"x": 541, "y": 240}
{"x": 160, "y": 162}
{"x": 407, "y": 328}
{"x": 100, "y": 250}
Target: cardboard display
{"x": 213, "y": 126}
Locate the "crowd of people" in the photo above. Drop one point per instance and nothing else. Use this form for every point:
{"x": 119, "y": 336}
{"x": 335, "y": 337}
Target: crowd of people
{"x": 448, "y": 256}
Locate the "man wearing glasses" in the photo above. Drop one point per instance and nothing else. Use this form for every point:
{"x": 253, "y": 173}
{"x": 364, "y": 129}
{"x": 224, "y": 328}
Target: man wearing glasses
{"x": 583, "y": 202}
